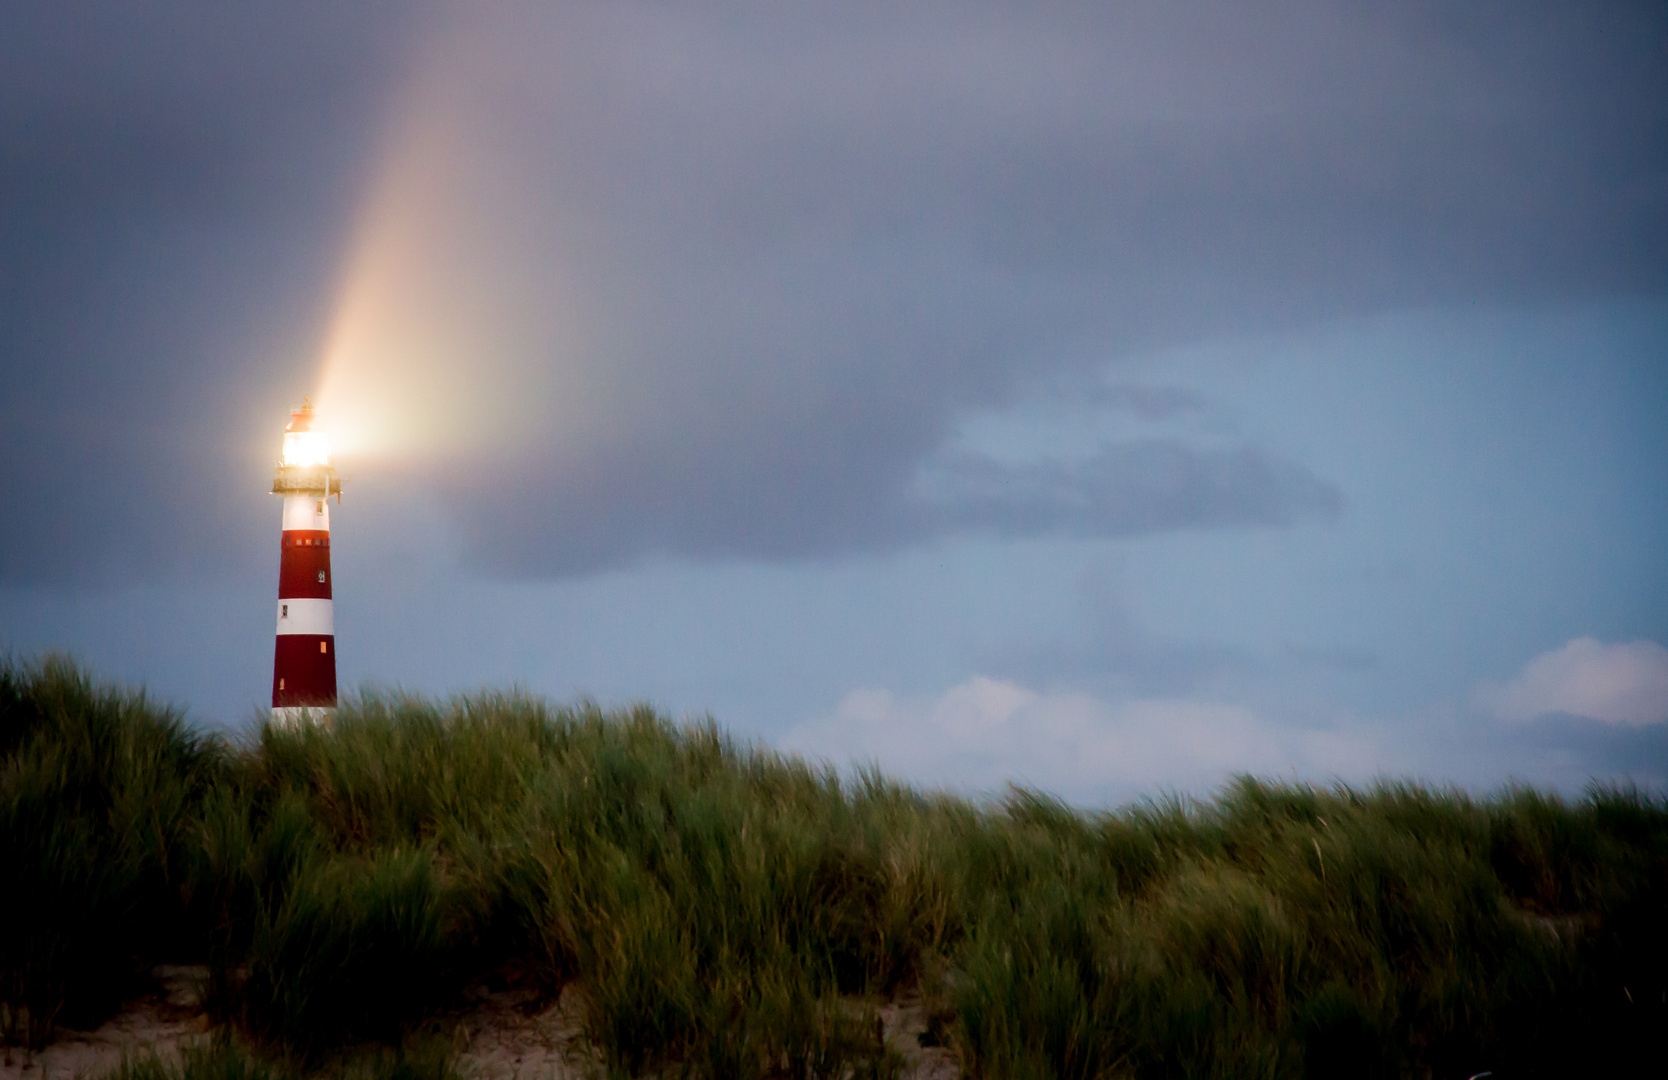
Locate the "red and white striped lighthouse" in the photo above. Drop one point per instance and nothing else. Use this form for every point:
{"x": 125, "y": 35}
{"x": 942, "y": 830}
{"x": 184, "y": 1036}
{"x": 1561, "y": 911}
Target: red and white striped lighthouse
{"x": 304, "y": 661}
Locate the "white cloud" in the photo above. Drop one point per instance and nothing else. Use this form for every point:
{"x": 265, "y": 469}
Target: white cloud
{"x": 1617, "y": 684}
{"x": 987, "y": 732}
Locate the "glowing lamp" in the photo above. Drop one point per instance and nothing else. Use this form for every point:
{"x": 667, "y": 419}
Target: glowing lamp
{"x": 306, "y": 447}
{"x": 304, "y": 658}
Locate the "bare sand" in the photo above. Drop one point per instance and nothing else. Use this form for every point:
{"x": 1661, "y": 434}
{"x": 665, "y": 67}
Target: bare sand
{"x": 156, "y": 1023}
{"x": 503, "y": 1036}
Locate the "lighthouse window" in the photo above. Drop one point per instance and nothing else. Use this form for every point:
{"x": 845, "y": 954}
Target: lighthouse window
{"x": 285, "y": 611}
{"x": 324, "y": 646}
{"x": 280, "y": 684}
{"x": 321, "y": 575}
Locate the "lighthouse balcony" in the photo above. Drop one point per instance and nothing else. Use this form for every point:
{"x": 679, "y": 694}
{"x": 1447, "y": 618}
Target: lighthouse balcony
{"x": 306, "y": 479}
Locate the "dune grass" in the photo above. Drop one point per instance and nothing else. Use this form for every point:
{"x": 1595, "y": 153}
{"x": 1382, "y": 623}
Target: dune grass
{"x": 725, "y": 911}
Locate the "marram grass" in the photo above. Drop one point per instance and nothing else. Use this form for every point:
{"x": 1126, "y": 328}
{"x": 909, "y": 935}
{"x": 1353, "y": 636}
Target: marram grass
{"x": 726, "y": 911}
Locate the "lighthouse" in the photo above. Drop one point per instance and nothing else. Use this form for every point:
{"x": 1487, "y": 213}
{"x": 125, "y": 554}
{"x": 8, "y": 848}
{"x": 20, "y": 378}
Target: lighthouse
{"x": 304, "y": 660}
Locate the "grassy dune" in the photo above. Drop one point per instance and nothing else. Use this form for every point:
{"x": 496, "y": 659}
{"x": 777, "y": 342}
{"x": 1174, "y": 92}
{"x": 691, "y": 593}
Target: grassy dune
{"x": 727, "y": 911}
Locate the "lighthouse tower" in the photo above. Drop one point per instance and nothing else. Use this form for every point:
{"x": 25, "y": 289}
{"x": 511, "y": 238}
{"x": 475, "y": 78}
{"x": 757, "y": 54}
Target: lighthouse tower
{"x": 304, "y": 661}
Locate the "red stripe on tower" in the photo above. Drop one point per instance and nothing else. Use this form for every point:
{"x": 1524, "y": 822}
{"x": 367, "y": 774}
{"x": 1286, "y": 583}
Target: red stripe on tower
{"x": 304, "y": 658}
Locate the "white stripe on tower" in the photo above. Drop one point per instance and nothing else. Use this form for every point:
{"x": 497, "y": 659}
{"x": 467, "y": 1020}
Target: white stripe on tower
{"x": 305, "y": 616}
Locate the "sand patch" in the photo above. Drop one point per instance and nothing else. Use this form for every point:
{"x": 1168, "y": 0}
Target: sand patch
{"x": 504, "y": 1035}
{"x": 160, "y": 1022}
{"x": 905, "y": 1021}
{"x": 504, "y": 1038}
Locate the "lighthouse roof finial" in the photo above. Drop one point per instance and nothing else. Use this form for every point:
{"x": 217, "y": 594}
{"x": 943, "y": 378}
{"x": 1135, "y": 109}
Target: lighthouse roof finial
{"x": 302, "y": 418}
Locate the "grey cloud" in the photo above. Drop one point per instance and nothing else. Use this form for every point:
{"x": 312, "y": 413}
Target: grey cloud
{"x": 800, "y": 242}
{"x": 1149, "y": 485}
{"x": 1641, "y": 753}
{"x": 796, "y": 498}
{"x": 1338, "y": 660}
{"x": 1151, "y": 402}
{"x": 1572, "y": 751}
{"x": 1106, "y": 651}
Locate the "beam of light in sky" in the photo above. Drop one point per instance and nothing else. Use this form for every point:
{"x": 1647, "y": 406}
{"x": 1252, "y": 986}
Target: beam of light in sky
{"x": 449, "y": 338}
